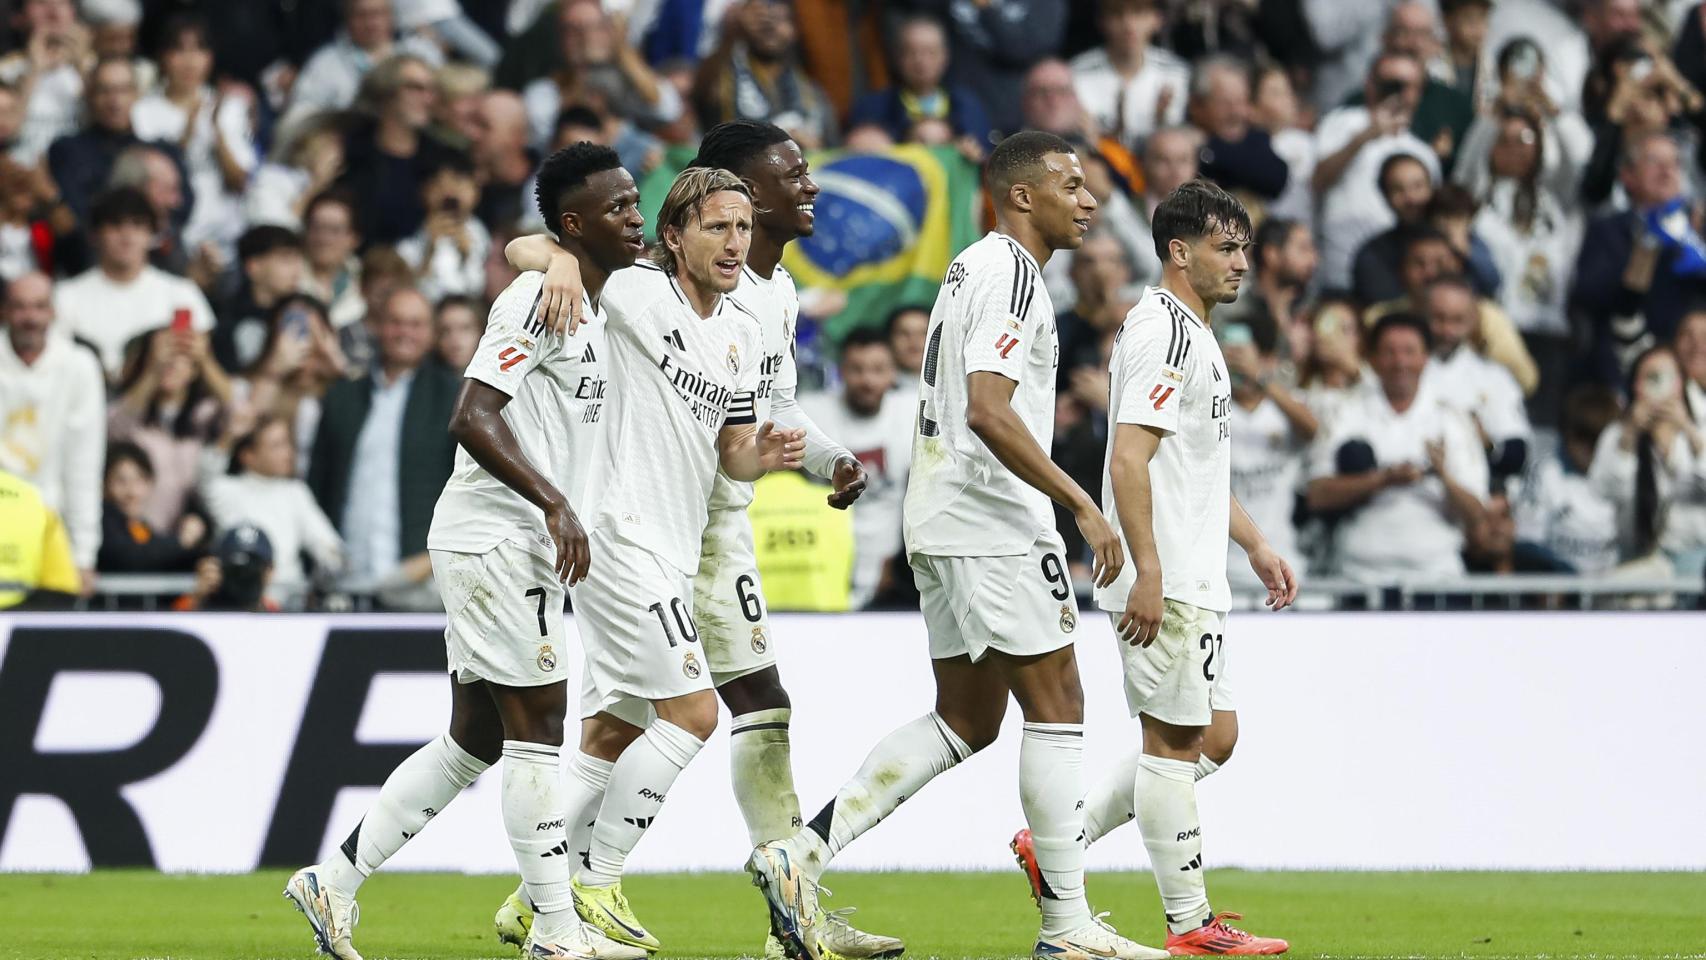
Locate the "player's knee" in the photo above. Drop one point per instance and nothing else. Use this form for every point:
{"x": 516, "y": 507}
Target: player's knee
{"x": 484, "y": 742}
{"x": 755, "y": 691}
{"x": 976, "y": 731}
{"x": 696, "y": 714}
{"x": 607, "y": 740}
{"x": 537, "y": 728}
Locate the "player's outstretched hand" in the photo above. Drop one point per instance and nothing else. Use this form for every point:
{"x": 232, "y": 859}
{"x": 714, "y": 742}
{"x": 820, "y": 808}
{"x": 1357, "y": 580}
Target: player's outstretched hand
{"x": 1144, "y": 608}
{"x": 780, "y": 449}
{"x": 560, "y": 297}
{"x": 1276, "y": 575}
{"x": 1110, "y": 556}
{"x": 574, "y": 556}
{"x": 849, "y": 482}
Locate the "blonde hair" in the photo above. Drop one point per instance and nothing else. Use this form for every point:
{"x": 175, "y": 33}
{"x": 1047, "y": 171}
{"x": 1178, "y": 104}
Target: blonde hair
{"x": 687, "y": 194}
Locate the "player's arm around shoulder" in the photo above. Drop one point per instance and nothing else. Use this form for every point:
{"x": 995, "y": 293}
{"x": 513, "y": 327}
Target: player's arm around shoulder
{"x": 560, "y": 296}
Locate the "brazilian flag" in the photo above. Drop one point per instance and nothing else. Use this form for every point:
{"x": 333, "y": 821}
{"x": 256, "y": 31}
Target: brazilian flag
{"x": 888, "y": 225}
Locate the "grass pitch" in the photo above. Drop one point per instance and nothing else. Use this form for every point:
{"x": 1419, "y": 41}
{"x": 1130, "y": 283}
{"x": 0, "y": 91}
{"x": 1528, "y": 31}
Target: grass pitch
{"x": 131, "y": 914}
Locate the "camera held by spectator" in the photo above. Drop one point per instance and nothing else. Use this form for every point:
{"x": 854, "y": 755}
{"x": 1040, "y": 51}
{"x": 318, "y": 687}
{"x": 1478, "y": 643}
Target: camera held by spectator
{"x": 235, "y": 577}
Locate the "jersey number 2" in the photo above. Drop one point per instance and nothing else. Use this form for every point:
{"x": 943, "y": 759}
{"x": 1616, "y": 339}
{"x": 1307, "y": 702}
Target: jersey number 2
{"x": 1211, "y": 643}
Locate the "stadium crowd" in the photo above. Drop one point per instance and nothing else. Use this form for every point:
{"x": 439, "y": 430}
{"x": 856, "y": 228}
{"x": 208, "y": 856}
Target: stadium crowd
{"x": 248, "y": 247}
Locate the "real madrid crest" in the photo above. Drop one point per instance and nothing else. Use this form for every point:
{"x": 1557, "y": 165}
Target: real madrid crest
{"x": 547, "y": 659}
{"x": 734, "y": 359}
{"x": 1068, "y": 619}
{"x": 759, "y": 640}
{"x": 690, "y": 666}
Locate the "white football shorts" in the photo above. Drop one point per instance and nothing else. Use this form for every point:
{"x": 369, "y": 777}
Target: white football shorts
{"x": 505, "y": 616}
{"x": 1020, "y": 605}
{"x": 728, "y": 600}
{"x": 635, "y": 617}
{"x": 1181, "y": 677}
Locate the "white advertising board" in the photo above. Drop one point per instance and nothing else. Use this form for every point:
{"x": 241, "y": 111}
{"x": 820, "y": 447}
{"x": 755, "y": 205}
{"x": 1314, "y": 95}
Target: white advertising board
{"x": 1369, "y": 741}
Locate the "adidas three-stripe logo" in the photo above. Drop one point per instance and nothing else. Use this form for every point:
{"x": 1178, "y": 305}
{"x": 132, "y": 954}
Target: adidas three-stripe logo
{"x": 1179, "y": 344}
{"x": 1195, "y": 864}
{"x": 1024, "y": 284}
{"x": 587, "y": 356}
{"x": 641, "y": 822}
{"x": 559, "y": 850}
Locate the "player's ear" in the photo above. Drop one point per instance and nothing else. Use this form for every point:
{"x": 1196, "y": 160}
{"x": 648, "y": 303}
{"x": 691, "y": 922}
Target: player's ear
{"x": 1179, "y": 252}
{"x": 1019, "y": 194}
{"x": 571, "y": 225}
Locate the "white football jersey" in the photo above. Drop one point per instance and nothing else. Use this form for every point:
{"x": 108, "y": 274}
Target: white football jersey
{"x": 992, "y": 314}
{"x": 678, "y": 378}
{"x": 1403, "y": 530}
{"x": 776, "y": 304}
{"x": 1481, "y": 389}
{"x": 1267, "y": 467}
{"x": 1167, "y": 373}
{"x": 1561, "y": 511}
{"x": 556, "y": 387}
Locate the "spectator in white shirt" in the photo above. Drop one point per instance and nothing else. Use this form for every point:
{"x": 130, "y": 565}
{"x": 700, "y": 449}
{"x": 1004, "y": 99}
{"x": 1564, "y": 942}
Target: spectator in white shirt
{"x": 302, "y": 167}
{"x": 598, "y": 62}
{"x": 1469, "y": 383}
{"x": 1691, "y": 353}
{"x": 332, "y": 76}
{"x": 1652, "y": 465}
{"x": 53, "y": 420}
{"x": 257, "y": 485}
{"x": 1271, "y": 432}
{"x": 1557, "y": 509}
{"x": 906, "y": 329}
{"x": 331, "y": 236}
{"x": 50, "y": 68}
{"x": 875, "y": 423}
{"x": 1351, "y": 144}
{"x": 123, "y": 295}
{"x": 1129, "y": 85}
{"x": 1405, "y": 468}
{"x": 1274, "y": 109}
{"x": 214, "y": 129}
{"x": 449, "y": 251}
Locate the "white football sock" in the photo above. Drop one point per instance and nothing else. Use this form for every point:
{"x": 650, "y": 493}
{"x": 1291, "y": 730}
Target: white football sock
{"x": 533, "y": 818}
{"x": 762, "y": 770}
{"x": 582, "y": 796}
{"x": 897, "y": 767}
{"x": 639, "y": 782}
{"x": 1167, "y": 815}
{"x": 414, "y": 793}
{"x": 1111, "y": 804}
{"x": 1051, "y": 788}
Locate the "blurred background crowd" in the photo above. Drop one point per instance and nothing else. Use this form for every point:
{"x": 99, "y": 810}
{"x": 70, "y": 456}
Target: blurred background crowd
{"x": 248, "y": 247}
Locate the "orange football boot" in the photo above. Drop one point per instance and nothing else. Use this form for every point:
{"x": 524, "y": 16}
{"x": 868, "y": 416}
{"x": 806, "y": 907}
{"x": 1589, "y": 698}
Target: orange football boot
{"x": 1217, "y": 938}
{"x": 1026, "y": 855}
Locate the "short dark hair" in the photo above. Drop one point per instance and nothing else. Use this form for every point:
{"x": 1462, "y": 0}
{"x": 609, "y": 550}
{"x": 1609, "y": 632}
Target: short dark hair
{"x": 1264, "y": 333}
{"x": 895, "y": 315}
{"x": 125, "y": 451}
{"x": 566, "y": 171}
{"x": 1588, "y": 410}
{"x": 1400, "y": 320}
{"x": 1193, "y": 211}
{"x": 450, "y": 161}
{"x": 577, "y": 115}
{"x": 461, "y": 300}
{"x": 264, "y": 239}
{"x": 732, "y": 145}
{"x": 1394, "y": 162}
{"x": 335, "y": 195}
{"x": 864, "y": 337}
{"x": 1451, "y": 200}
{"x": 1413, "y": 235}
{"x": 1271, "y": 235}
{"x": 1019, "y": 158}
{"x": 176, "y": 27}
{"x": 121, "y": 205}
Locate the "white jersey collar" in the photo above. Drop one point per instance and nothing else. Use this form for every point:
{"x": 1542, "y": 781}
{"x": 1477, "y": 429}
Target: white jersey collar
{"x": 1173, "y": 299}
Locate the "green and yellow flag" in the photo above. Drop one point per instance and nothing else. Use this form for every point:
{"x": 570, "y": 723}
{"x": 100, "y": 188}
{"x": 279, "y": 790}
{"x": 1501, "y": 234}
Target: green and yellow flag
{"x": 888, "y": 225}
